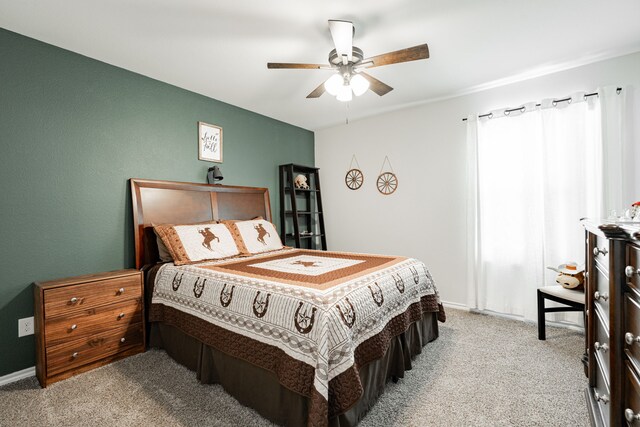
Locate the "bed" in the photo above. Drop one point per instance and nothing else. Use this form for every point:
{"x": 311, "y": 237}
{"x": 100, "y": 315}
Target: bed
{"x": 303, "y": 337}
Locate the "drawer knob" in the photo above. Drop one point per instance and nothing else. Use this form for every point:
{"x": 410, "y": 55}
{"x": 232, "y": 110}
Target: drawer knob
{"x": 630, "y": 271}
{"x": 73, "y": 300}
{"x": 630, "y": 339}
{"x": 74, "y": 327}
{"x": 122, "y": 339}
{"x": 121, "y": 291}
{"x": 74, "y": 355}
{"x": 603, "y": 347}
{"x": 120, "y": 316}
{"x": 631, "y": 416}
{"x": 600, "y": 296}
{"x": 597, "y": 251}
{"x": 601, "y": 397}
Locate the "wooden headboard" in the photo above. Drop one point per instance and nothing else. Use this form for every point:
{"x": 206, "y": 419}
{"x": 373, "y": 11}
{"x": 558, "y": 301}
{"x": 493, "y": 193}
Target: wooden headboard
{"x": 169, "y": 202}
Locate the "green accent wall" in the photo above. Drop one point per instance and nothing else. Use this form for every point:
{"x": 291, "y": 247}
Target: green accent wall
{"x": 73, "y": 130}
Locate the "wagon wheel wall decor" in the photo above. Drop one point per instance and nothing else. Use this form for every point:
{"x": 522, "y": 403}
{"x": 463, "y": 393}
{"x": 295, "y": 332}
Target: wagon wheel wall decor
{"x": 354, "y": 177}
{"x": 387, "y": 181}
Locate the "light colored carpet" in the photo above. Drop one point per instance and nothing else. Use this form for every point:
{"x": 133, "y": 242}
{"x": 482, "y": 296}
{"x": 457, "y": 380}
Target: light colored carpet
{"x": 482, "y": 371}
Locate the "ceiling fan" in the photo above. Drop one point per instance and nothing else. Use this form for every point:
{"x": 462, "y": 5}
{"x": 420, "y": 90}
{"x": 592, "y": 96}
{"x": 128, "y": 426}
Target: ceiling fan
{"x": 348, "y": 62}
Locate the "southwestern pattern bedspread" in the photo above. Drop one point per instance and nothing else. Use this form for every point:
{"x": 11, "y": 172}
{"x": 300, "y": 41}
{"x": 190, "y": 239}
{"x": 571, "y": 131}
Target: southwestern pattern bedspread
{"x": 311, "y": 317}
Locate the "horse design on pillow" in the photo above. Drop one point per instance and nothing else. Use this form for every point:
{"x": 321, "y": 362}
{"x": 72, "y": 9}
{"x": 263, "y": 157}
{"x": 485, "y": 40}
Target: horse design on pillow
{"x": 261, "y": 233}
{"x": 208, "y": 237}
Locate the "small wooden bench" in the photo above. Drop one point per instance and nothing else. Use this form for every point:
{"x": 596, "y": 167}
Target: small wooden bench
{"x": 572, "y": 299}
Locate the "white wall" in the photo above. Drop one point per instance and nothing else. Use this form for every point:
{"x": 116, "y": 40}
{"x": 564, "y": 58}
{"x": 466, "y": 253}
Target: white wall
{"x": 426, "y": 217}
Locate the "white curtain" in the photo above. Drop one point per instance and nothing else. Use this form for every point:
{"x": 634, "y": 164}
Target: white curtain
{"x": 532, "y": 175}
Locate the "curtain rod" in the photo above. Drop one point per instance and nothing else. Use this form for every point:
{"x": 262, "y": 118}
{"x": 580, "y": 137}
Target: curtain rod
{"x": 555, "y": 101}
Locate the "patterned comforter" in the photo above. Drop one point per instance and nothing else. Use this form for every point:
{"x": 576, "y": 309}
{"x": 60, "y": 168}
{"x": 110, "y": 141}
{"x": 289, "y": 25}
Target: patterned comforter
{"x": 311, "y": 317}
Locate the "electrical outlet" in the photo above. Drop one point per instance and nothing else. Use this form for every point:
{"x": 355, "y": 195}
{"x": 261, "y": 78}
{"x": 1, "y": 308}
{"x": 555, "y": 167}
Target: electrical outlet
{"x": 25, "y": 326}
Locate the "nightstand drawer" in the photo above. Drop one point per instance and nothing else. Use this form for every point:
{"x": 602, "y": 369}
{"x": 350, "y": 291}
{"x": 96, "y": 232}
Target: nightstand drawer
{"x": 92, "y": 321}
{"x": 74, "y": 298}
{"x": 69, "y": 355}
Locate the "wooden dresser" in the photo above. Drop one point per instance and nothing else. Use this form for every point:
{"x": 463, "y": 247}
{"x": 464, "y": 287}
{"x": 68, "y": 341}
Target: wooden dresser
{"x": 87, "y": 321}
{"x": 613, "y": 323}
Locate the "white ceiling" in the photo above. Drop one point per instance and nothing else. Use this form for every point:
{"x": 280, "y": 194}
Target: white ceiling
{"x": 220, "y": 48}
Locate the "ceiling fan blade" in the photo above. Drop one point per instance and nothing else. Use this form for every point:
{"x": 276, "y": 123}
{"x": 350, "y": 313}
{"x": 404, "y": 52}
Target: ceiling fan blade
{"x": 404, "y": 55}
{"x": 272, "y": 65}
{"x": 317, "y": 92}
{"x": 376, "y": 85}
{"x": 342, "y": 35}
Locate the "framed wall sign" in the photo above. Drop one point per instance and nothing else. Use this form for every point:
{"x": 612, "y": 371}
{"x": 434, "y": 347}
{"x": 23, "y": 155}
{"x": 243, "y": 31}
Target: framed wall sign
{"x": 209, "y": 142}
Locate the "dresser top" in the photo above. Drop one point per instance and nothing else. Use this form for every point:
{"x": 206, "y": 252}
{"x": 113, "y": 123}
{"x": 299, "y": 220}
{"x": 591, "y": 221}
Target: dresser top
{"x": 612, "y": 229}
{"x": 87, "y": 278}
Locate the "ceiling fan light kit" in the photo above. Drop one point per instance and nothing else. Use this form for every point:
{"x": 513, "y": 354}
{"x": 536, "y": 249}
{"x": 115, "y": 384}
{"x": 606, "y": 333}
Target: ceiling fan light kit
{"x": 348, "y": 63}
{"x": 344, "y": 94}
{"x": 333, "y": 84}
{"x": 359, "y": 85}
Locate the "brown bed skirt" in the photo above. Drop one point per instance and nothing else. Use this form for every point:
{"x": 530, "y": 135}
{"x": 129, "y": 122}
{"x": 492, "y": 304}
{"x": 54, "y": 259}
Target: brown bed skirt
{"x": 260, "y": 389}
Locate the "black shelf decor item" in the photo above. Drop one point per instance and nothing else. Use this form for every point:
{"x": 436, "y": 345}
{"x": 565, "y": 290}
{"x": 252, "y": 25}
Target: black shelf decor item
{"x": 301, "y": 215}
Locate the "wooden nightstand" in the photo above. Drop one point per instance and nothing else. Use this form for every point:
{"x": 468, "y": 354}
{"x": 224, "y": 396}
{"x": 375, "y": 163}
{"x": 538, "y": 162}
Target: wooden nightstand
{"x": 87, "y": 321}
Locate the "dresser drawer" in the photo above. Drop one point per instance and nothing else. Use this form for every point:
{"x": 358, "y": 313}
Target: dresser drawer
{"x": 632, "y": 270}
{"x": 92, "y": 321}
{"x": 632, "y": 330}
{"x": 601, "y": 345}
{"x": 70, "y": 299}
{"x": 601, "y": 253}
{"x": 72, "y": 354}
{"x": 632, "y": 396}
{"x": 600, "y": 294}
{"x": 601, "y": 392}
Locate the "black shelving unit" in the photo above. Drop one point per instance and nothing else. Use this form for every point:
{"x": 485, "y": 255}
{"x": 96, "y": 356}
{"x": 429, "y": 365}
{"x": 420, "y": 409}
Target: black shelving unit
{"x": 301, "y": 215}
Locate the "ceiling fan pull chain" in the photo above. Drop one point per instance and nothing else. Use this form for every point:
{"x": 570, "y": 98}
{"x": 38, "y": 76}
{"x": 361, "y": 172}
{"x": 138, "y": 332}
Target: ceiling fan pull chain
{"x": 346, "y": 113}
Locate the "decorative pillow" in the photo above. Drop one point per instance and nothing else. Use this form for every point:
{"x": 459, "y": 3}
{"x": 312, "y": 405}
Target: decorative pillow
{"x": 255, "y": 236}
{"x": 193, "y": 243}
{"x": 163, "y": 252}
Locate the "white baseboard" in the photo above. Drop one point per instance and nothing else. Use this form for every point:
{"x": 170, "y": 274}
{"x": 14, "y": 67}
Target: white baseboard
{"x": 455, "y": 305}
{"x": 17, "y": 376}
{"x": 558, "y": 324}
